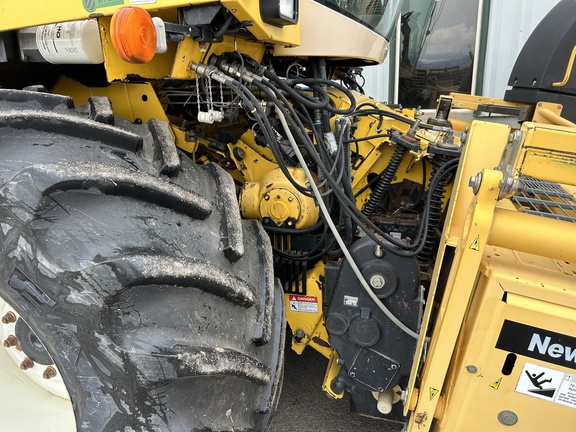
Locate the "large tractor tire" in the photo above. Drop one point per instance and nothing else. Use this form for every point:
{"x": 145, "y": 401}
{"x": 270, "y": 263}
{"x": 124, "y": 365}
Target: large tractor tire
{"x": 132, "y": 292}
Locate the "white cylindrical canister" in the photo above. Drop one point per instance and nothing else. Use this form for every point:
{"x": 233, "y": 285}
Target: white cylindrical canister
{"x": 74, "y": 42}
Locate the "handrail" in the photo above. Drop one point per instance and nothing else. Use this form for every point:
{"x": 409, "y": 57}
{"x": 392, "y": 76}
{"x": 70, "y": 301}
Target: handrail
{"x": 568, "y": 70}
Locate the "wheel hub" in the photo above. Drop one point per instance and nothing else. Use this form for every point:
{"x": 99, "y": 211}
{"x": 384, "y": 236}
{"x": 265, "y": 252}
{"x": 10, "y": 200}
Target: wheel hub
{"x": 27, "y": 351}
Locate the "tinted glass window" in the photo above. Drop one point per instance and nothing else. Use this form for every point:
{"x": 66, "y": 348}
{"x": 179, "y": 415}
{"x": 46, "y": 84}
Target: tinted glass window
{"x": 378, "y": 15}
{"x": 436, "y": 49}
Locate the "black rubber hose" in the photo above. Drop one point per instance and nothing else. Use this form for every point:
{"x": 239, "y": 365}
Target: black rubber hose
{"x": 303, "y": 98}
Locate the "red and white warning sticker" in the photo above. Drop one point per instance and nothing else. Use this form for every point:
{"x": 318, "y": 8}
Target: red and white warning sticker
{"x": 307, "y": 304}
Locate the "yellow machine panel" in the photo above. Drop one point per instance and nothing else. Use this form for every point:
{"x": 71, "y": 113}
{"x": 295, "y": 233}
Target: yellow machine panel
{"x": 508, "y": 306}
{"x": 516, "y": 365}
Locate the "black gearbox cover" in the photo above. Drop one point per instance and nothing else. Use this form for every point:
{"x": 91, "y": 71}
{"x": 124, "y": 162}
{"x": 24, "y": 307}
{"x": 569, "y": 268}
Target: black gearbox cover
{"x": 375, "y": 354}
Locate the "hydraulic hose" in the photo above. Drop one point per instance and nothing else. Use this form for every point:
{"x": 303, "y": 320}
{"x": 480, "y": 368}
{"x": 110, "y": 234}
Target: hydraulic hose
{"x": 337, "y": 236}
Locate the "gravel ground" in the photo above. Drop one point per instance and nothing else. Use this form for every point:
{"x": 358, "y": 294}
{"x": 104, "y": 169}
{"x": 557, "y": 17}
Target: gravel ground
{"x": 304, "y": 407}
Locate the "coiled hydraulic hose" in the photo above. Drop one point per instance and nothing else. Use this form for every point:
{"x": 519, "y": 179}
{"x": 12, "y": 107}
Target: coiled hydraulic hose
{"x": 384, "y": 183}
{"x": 438, "y": 194}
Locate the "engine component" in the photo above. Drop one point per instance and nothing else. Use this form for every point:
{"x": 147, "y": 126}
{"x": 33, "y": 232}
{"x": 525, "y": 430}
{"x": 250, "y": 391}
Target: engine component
{"x": 274, "y": 199}
{"x": 374, "y": 353}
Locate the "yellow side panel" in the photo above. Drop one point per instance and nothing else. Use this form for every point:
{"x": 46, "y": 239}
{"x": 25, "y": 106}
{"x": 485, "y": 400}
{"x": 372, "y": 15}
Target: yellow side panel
{"x": 305, "y": 315}
{"x": 26, "y": 13}
{"x": 502, "y": 373}
{"x": 250, "y": 11}
{"x": 134, "y": 102}
{"x": 548, "y": 153}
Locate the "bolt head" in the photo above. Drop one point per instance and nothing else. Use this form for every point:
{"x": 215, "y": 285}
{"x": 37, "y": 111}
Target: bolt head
{"x": 475, "y": 182}
{"x": 9, "y": 318}
{"x": 507, "y": 418}
{"x": 472, "y": 369}
{"x": 238, "y": 153}
{"x": 27, "y": 363}
{"x": 10, "y": 341}
{"x": 377, "y": 281}
{"x": 49, "y": 372}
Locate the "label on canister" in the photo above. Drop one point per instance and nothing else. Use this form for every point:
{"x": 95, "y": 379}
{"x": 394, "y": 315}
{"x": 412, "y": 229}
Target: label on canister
{"x": 76, "y": 42}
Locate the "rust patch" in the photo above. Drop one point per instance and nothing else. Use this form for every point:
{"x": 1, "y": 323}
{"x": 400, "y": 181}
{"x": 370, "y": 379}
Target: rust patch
{"x": 420, "y": 418}
{"x": 320, "y": 342}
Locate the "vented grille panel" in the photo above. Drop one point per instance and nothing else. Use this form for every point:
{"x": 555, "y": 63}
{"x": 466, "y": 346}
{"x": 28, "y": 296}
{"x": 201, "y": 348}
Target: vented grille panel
{"x": 546, "y": 199}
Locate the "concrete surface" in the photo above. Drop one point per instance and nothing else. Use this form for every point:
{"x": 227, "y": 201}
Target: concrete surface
{"x": 304, "y": 407}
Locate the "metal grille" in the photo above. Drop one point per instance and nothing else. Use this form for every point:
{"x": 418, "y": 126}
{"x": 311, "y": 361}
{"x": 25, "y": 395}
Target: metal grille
{"x": 291, "y": 272}
{"x": 545, "y": 199}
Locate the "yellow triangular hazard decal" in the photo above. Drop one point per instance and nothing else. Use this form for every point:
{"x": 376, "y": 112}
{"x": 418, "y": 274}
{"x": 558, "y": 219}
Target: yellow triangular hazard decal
{"x": 433, "y": 392}
{"x": 496, "y": 384}
{"x": 476, "y": 244}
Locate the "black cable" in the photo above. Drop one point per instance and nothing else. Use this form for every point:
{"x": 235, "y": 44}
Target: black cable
{"x": 380, "y": 112}
{"x": 370, "y": 137}
{"x": 373, "y": 232}
{"x": 329, "y": 83}
{"x": 224, "y": 27}
{"x": 348, "y": 205}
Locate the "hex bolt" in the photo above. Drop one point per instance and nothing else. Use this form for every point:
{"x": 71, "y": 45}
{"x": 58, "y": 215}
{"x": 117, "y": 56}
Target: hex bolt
{"x": 27, "y": 363}
{"x": 472, "y": 369}
{"x": 9, "y": 318}
{"x": 10, "y": 341}
{"x": 49, "y": 372}
{"x": 352, "y": 374}
{"x": 475, "y": 182}
{"x": 377, "y": 281}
